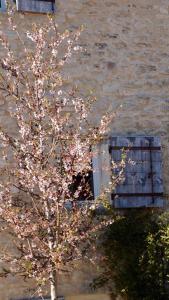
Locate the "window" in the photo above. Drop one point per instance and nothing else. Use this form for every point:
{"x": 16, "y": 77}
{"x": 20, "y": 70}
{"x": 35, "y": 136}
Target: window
{"x": 142, "y": 185}
{"x": 38, "y": 6}
{"x": 85, "y": 182}
{"x": 2, "y": 5}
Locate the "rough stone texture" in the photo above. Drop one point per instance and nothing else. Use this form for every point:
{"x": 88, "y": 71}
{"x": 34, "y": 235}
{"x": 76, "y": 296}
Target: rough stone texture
{"x": 125, "y": 62}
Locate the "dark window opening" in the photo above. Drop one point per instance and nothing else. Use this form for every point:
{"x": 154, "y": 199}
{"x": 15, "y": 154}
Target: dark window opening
{"x": 85, "y": 183}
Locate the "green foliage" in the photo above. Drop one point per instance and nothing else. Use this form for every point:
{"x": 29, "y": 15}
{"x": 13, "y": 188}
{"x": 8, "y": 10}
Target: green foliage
{"x": 136, "y": 248}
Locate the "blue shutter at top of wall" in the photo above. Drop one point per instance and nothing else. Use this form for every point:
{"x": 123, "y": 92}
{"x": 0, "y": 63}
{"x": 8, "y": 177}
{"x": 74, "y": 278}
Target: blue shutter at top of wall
{"x": 36, "y": 6}
{"x": 2, "y": 5}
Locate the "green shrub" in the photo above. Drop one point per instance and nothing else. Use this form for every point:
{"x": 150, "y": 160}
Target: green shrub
{"x": 136, "y": 251}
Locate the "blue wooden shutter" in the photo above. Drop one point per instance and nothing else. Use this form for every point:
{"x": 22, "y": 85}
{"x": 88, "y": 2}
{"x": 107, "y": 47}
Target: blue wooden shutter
{"x": 2, "y": 5}
{"x": 38, "y": 6}
{"x": 142, "y": 186}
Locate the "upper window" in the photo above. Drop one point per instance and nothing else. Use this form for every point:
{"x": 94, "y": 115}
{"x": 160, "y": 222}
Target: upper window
{"x": 38, "y": 6}
{"x": 142, "y": 185}
{"x": 2, "y": 5}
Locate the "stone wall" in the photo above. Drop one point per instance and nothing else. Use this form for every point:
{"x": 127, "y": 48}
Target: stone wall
{"x": 125, "y": 63}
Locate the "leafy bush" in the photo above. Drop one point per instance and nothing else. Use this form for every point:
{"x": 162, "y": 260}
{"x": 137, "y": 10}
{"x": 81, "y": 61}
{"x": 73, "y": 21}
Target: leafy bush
{"x": 136, "y": 256}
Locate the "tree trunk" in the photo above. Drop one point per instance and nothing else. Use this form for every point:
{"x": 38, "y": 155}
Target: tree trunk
{"x": 53, "y": 277}
{"x": 53, "y": 285}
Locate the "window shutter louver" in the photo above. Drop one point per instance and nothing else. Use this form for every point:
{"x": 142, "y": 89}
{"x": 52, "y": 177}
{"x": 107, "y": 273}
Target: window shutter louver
{"x": 38, "y": 6}
{"x": 142, "y": 185}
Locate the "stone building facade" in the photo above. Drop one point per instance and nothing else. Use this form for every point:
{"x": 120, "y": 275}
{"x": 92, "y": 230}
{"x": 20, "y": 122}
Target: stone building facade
{"x": 125, "y": 63}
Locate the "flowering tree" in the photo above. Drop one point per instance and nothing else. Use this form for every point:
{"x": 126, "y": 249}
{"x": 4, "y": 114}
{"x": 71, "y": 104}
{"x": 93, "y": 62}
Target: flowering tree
{"x": 48, "y": 160}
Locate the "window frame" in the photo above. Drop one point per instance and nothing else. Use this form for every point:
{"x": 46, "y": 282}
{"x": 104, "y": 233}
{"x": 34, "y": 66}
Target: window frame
{"x": 101, "y": 162}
